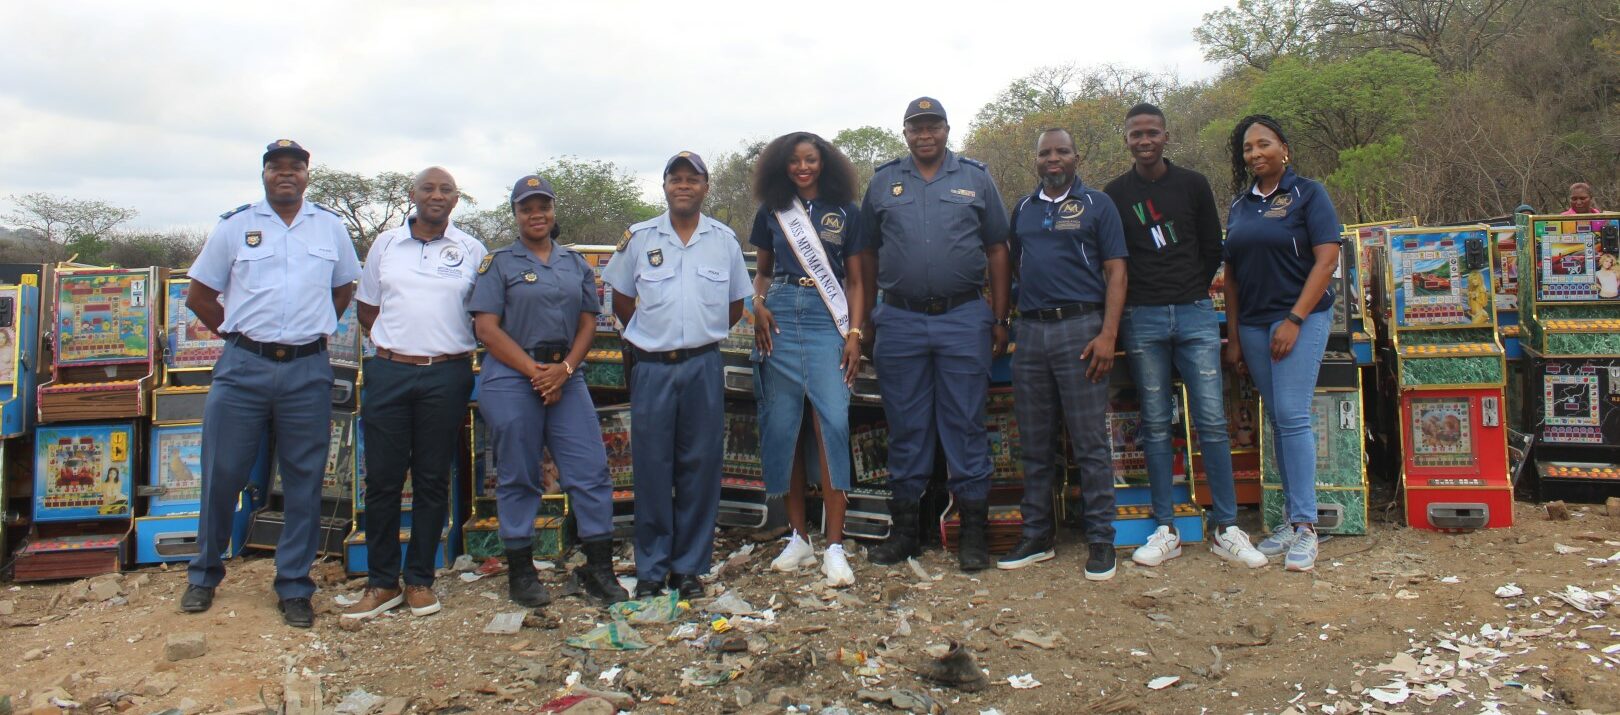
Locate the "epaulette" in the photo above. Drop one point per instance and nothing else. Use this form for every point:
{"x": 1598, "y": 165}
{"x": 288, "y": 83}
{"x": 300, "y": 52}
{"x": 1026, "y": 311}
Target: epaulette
{"x": 235, "y": 211}
{"x": 971, "y": 162}
{"x": 887, "y": 164}
{"x": 329, "y": 210}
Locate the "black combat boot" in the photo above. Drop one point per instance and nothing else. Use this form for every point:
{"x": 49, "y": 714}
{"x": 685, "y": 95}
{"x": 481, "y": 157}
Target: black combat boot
{"x": 522, "y": 583}
{"x": 973, "y": 545}
{"x": 903, "y": 542}
{"x": 596, "y": 576}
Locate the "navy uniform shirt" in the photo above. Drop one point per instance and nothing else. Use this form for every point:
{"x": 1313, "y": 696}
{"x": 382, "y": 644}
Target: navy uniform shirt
{"x": 838, "y": 226}
{"x": 683, "y": 291}
{"x": 1059, "y": 247}
{"x": 538, "y": 302}
{"x": 1269, "y": 242}
{"x": 931, "y": 235}
{"x": 276, "y": 280}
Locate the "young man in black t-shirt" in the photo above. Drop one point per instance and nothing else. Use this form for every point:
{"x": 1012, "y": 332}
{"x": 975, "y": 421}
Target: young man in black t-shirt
{"x": 1173, "y": 232}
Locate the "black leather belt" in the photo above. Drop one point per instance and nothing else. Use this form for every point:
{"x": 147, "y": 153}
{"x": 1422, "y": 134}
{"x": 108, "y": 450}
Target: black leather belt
{"x": 551, "y": 353}
{"x": 931, "y": 306}
{"x": 277, "y": 351}
{"x": 789, "y": 280}
{"x": 673, "y": 356}
{"x": 1061, "y": 312}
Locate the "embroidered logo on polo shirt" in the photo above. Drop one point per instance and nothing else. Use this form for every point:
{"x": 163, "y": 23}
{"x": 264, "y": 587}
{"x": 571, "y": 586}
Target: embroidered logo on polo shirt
{"x": 1071, "y": 209}
{"x": 832, "y": 229}
{"x": 254, "y": 238}
{"x": 1279, "y": 206}
{"x": 451, "y": 256}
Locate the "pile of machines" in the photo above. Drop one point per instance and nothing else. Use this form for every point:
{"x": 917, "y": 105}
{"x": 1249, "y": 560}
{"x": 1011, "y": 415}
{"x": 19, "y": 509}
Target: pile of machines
{"x": 1465, "y": 363}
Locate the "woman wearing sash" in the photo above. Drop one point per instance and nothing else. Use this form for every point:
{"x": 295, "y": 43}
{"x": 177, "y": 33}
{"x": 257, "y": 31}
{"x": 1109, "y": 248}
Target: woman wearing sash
{"x": 808, "y": 316}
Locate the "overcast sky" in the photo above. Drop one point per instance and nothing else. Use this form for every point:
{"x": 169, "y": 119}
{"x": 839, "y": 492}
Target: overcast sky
{"x": 166, "y": 107}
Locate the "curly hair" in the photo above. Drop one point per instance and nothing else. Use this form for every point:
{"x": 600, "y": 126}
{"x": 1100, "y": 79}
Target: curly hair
{"x": 1240, "y": 169}
{"x": 773, "y": 187}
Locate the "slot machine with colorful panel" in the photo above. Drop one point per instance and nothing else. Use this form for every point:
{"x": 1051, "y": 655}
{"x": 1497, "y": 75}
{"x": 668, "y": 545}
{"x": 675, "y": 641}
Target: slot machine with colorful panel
{"x": 1445, "y": 371}
{"x": 480, "y": 535}
{"x": 615, "y": 422}
{"x": 83, "y": 476}
{"x": 356, "y": 558}
{"x": 742, "y": 474}
{"x": 1506, "y": 285}
{"x": 605, "y": 363}
{"x": 1569, "y": 310}
{"x": 867, "y": 515}
{"x": 1372, "y": 239}
{"x": 1006, "y": 523}
{"x": 1241, "y": 402}
{"x": 21, "y": 357}
{"x": 171, "y": 495}
{"x": 1133, "y": 500}
{"x": 345, "y": 348}
{"x": 103, "y": 356}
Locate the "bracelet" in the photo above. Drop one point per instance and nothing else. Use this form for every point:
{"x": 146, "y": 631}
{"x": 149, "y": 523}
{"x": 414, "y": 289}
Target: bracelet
{"x": 858, "y": 333}
{"x": 568, "y": 368}
{"x": 1295, "y": 319}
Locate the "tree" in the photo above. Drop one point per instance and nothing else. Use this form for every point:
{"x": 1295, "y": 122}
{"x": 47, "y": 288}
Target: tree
{"x": 368, "y": 205}
{"x": 731, "y": 190}
{"x": 1453, "y": 34}
{"x": 596, "y": 201}
{"x": 867, "y": 147}
{"x": 1337, "y": 105}
{"x": 1256, "y": 32}
{"x": 59, "y": 220}
{"x": 1053, "y": 87}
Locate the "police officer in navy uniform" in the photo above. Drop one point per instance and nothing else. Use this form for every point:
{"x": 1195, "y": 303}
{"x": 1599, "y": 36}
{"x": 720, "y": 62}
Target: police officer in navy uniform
{"x": 938, "y": 224}
{"x": 1069, "y": 252}
{"x": 272, "y": 279}
{"x": 678, "y": 285}
{"x": 534, "y": 307}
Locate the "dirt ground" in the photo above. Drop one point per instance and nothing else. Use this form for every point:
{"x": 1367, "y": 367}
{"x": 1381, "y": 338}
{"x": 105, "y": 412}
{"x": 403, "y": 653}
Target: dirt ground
{"x": 1397, "y": 621}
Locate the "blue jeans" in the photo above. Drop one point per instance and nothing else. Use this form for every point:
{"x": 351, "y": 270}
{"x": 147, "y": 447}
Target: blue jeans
{"x": 1187, "y": 336}
{"x": 803, "y": 364}
{"x": 1287, "y": 386}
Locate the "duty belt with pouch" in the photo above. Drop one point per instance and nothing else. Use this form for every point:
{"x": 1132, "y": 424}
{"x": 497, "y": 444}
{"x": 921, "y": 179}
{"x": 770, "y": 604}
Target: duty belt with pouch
{"x": 549, "y": 353}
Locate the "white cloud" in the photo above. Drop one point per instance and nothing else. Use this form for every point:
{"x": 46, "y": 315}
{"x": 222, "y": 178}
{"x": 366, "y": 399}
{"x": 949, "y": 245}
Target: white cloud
{"x": 166, "y": 107}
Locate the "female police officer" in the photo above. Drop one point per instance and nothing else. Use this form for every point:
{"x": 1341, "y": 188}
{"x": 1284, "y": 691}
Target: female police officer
{"x": 534, "y": 307}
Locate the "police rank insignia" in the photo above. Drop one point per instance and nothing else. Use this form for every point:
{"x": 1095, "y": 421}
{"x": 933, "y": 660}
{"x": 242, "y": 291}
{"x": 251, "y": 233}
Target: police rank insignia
{"x": 897, "y": 188}
{"x": 254, "y": 238}
{"x": 623, "y": 242}
{"x": 656, "y": 257}
{"x": 483, "y": 266}
{"x": 530, "y": 277}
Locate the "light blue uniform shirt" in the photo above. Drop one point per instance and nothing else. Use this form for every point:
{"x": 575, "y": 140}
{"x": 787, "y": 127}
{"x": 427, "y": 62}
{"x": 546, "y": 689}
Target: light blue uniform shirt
{"x": 683, "y": 292}
{"x": 276, "y": 280}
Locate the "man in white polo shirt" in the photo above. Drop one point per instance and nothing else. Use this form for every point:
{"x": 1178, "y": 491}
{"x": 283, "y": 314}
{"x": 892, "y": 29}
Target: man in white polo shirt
{"x": 412, "y": 299}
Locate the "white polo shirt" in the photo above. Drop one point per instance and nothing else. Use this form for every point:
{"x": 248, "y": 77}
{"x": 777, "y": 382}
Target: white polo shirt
{"x": 420, "y": 290}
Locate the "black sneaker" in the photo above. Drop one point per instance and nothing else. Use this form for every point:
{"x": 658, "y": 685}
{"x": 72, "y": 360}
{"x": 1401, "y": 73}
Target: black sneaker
{"x": 297, "y": 612}
{"x": 689, "y": 586}
{"x": 197, "y": 598}
{"x": 648, "y": 588}
{"x": 1026, "y": 552}
{"x": 1100, "y": 565}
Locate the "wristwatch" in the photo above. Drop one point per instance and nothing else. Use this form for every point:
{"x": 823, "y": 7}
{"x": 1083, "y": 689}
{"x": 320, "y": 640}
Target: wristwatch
{"x": 1004, "y": 322}
{"x": 1295, "y": 319}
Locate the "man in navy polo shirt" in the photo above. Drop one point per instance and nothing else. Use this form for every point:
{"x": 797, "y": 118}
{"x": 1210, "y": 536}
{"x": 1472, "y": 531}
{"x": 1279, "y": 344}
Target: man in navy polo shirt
{"x": 1069, "y": 255}
{"x": 937, "y": 222}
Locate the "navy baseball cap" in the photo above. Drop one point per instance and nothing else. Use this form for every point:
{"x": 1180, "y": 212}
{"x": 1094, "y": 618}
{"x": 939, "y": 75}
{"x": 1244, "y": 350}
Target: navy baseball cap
{"x": 690, "y": 158}
{"x": 924, "y": 107}
{"x": 1524, "y": 209}
{"x": 531, "y": 185}
{"x": 285, "y": 146}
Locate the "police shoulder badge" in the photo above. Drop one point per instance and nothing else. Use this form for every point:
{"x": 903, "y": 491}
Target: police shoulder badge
{"x": 483, "y": 266}
{"x": 656, "y": 257}
{"x": 623, "y": 242}
{"x": 897, "y": 188}
{"x": 254, "y": 238}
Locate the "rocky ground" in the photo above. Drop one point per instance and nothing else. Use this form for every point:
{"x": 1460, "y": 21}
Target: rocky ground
{"x": 1510, "y": 621}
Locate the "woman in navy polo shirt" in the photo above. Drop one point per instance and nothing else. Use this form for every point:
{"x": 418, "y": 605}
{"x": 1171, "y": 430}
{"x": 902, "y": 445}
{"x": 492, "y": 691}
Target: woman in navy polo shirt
{"x": 803, "y": 360}
{"x": 1282, "y": 246}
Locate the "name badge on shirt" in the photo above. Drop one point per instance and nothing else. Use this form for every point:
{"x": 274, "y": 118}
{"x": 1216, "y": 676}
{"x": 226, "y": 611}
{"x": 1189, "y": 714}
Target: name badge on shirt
{"x": 254, "y": 238}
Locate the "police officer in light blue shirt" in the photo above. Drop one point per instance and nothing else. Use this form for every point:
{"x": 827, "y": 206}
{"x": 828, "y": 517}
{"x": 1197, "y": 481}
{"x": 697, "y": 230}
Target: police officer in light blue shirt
{"x": 534, "y": 306}
{"x": 272, "y": 279}
{"x": 678, "y": 285}
{"x": 938, "y": 223}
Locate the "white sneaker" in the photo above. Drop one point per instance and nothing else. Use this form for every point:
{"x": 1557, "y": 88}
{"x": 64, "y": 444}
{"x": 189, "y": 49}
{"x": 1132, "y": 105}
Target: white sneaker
{"x": 1163, "y": 545}
{"x": 835, "y": 565}
{"x": 797, "y": 555}
{"x": 1233, "y": 545}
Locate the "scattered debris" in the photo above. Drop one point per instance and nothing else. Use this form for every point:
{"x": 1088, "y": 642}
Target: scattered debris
{"x": 506, "y": 623}
{"x": 906, "y": 700}
{"x": 613, "y": 635}
{"x": 359, "y": 702}
{"x": 955, "y": 668}
{"x": 1023, "y": 682}
{"x": 184, "y": 646}
{"x": 1566, "y": 549}
{"x": 1163, "y": 681}
{"x": 1557, "y": 511}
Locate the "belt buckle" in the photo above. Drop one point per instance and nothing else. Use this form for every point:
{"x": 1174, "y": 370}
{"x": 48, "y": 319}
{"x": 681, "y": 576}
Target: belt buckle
{"x": 673, "y": 355}
{"x": 281, "y": 353}
{"x": 556, "y": 357}
{"x": 934, "y": 306}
